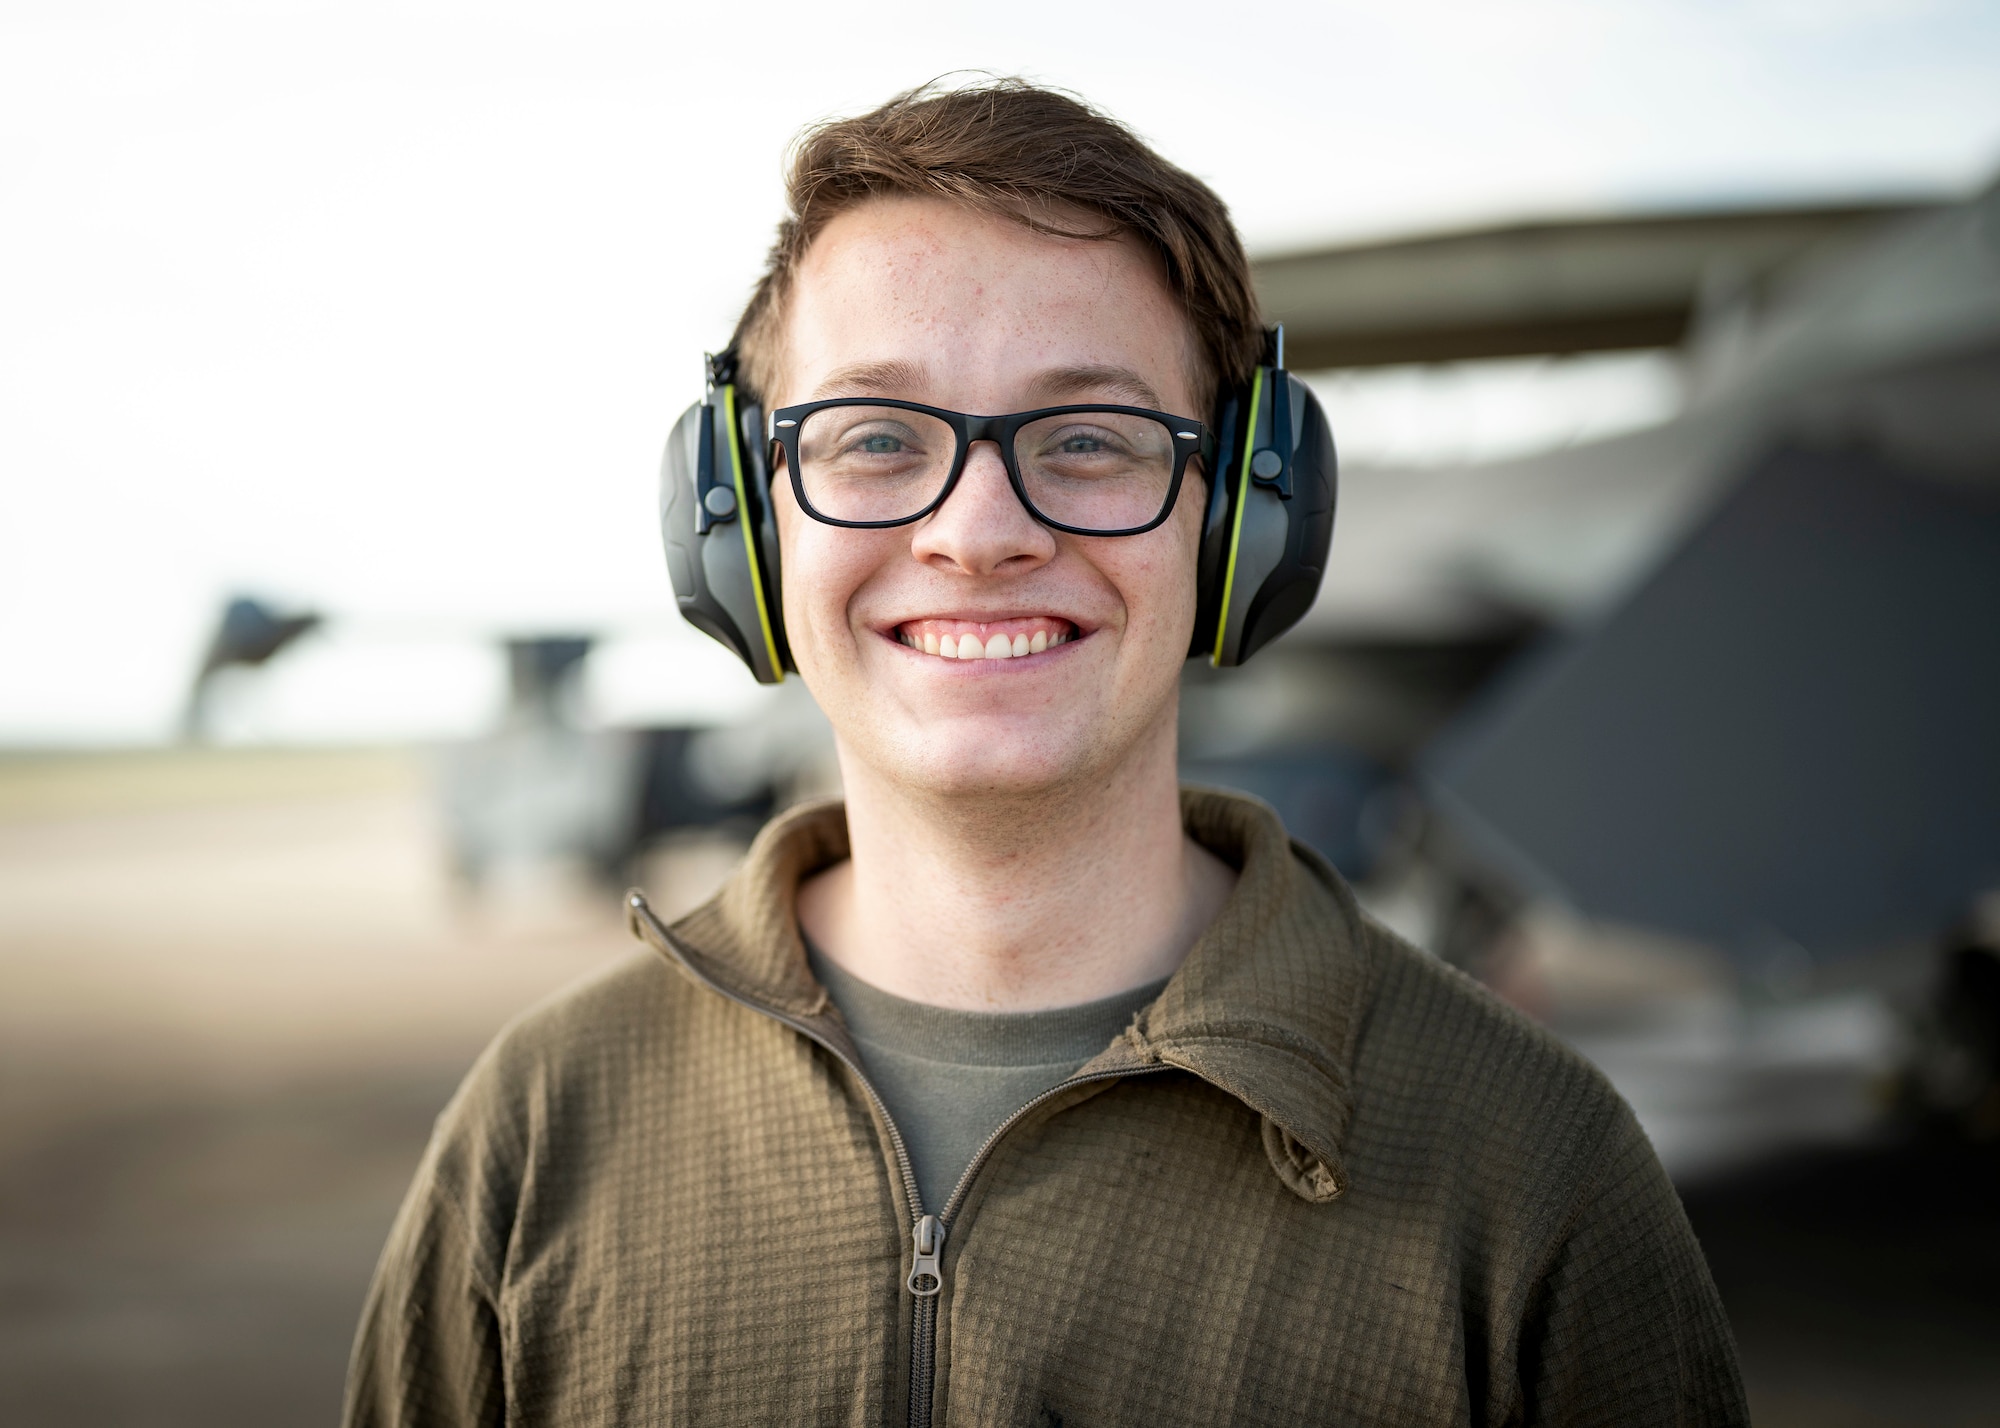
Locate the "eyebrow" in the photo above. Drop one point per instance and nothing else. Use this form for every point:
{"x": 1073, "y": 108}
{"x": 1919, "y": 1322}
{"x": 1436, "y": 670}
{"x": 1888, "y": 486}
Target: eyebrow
{"x": 892, "y": 378}
{"x": 1100, "y": 383}
{"x": 898, "y": 378}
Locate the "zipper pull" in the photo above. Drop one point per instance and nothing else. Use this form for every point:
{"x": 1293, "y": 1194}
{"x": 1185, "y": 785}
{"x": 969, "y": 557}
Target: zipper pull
{"x": 927, "y": 1275}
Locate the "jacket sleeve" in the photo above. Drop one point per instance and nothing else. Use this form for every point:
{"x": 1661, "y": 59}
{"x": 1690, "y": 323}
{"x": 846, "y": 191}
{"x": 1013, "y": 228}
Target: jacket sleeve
{"x": 428, "y": 1351}
{"x": 1628, "y": 1328}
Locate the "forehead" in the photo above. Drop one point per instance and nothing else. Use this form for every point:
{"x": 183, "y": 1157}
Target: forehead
{"x": 978, "y": 308}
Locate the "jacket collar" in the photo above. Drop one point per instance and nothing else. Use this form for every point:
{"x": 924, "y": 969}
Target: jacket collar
{"x": 1266, "y": 1006}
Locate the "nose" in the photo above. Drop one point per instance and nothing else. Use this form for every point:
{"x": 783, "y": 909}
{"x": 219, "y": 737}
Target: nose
{"x": 982, "y": 528}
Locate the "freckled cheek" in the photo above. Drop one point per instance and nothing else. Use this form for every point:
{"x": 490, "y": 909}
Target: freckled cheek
{"x": 1157, "y": 581}
{"x": 825, "y": 568}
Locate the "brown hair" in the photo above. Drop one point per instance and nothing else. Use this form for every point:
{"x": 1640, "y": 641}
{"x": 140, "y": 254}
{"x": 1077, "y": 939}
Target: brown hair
{"x": 1039, "y": 157}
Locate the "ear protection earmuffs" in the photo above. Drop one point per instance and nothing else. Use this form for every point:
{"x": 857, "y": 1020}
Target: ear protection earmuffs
{"x": 720, "y": 533}
{"x": 1264, "y": 539}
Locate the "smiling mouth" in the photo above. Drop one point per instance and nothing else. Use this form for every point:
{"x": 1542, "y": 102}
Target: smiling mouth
{"x": 990, "y": 639}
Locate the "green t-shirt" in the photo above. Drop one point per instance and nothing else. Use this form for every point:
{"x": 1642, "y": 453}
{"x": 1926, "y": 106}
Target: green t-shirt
{"x": 951, "y": 1077}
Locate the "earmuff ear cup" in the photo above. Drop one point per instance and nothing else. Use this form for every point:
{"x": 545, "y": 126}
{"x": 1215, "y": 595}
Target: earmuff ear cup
{"x": 717, "y": 528}
{"x": 1265, "y": 541}
{"x": 1282, "y": 597}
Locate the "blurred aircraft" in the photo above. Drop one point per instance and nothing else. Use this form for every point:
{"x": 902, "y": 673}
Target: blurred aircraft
{"x": 1863, "y": 323}
{"x": 1857, "y": 347}
{"x": 249, "y": 635}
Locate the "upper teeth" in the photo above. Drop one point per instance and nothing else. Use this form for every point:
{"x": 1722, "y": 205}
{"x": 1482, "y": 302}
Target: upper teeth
{"x": 995, "y": 646}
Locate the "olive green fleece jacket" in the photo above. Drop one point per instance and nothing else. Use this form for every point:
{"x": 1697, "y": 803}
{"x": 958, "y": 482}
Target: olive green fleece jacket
{"x": 1323, "y": 1179}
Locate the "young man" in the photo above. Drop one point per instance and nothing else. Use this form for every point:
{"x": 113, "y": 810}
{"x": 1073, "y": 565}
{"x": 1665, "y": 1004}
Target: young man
{"x": 1026, "y": 1087}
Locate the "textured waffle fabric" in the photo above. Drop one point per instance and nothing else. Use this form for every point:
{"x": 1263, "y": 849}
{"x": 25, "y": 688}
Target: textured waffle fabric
{"x": 1323, "y": 1179}
{"x": 949, "y": 1078}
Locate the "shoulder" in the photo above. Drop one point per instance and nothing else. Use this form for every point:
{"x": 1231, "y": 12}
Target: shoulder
{"x": 1427, "y": 1025}
{"x": 603, "y": 1007}
{"x": 577, "y": 1042}
{"x": 1420, "y": 1040}
{"x": 1454, "y": 1088}
{"x": 552, "y": 1071}
{"x": 1530, "y": 1186}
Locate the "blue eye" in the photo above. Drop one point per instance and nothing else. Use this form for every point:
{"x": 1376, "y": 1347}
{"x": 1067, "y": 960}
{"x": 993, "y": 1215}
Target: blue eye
{"x": 881, "y": 445}
{"x": 1082, "y": 445}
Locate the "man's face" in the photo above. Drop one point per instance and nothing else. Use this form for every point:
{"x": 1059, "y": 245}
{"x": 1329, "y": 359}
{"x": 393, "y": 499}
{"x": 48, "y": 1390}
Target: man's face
{"x": 931, "y": 302}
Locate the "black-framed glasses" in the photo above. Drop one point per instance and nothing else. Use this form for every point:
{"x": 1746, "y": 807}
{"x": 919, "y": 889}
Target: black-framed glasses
{"x": 1089, "y": 469}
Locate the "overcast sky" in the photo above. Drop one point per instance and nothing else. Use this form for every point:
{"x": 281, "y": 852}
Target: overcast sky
{"x": 386, "y": 309}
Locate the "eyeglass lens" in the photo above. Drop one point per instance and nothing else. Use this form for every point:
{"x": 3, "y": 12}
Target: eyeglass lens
{"x": 1101, "y": 471}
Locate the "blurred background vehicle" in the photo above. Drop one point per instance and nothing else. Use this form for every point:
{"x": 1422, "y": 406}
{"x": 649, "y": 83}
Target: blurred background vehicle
{"x": 1654, "y": 683}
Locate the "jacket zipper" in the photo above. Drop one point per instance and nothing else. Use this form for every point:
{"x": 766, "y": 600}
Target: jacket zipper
{"x": 927, "y": 1231}
{"x": 932, "y": 1229}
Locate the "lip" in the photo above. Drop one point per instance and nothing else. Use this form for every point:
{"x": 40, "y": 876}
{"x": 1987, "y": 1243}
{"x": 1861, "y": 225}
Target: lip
{"x": 914, "y": 632}
{"x": 971, "y": 616}
{"x": 887, "y": 628}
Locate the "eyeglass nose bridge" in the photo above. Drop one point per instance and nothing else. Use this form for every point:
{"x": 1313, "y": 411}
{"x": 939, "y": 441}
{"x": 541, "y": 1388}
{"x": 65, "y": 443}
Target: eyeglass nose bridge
{"x": 989, "y": 428}
{"x": 971, "y": 431}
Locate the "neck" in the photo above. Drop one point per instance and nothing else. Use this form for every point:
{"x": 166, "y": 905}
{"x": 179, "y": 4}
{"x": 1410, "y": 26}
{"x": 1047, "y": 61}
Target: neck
{"x": 1016, "y": 903}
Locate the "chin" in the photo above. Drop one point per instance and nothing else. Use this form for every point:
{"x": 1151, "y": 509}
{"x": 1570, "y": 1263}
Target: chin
{"x": 970, "y": 758}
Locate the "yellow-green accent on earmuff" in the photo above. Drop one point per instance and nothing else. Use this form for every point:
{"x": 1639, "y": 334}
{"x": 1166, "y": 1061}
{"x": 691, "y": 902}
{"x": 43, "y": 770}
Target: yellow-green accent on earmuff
{"x": 1236, "y": 526}
{"x": 743, "y": 509}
